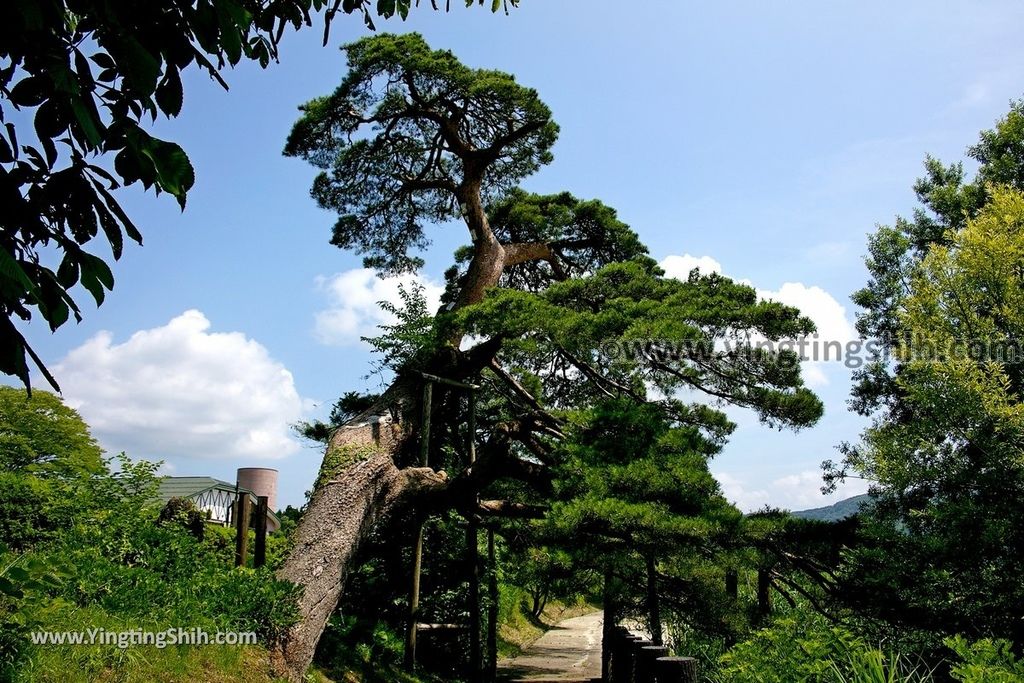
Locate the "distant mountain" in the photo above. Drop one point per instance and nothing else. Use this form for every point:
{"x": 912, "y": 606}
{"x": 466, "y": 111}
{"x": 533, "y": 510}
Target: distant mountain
{"x": 836, "y": 511}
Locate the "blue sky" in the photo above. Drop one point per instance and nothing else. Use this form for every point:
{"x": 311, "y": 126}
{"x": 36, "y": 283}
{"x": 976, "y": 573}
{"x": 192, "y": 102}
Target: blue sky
{"x": 765, "y": 138}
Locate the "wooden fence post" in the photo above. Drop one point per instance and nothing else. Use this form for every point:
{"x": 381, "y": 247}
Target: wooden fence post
{"x": 645, "y": 662}
{"x": 637, "y": 646}
{"x": 653, "y": 604}
{"x": 732, "y": 584}
{"x": 609, "y": 631}
{"x": 242, "y": 528}
{"x": 622, "y": 658}
{"x": 260, "y": 550}
{"x": 675, "y": 670}
{"x": 732, "y": 591}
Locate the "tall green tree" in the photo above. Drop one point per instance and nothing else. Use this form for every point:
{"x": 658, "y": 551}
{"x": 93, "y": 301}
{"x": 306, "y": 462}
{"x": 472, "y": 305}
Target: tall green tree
{"x": 46, "y": 452}
{"x": 942, "y": 548}
{"x": 947, "y": 200}
{"x": 534, "y": 306}
{"x": 89, "y": 73}
{"x": 634, "y": 496}
{"x": 947, "y": 542}
{"x": 42, "y": 434}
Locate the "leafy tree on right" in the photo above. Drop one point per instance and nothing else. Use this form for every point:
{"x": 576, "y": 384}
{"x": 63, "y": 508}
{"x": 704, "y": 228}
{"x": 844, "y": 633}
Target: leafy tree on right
{"x": 944, "y": 540}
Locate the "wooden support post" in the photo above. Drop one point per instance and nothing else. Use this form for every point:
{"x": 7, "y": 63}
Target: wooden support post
{"x": 414, "y": 602}
{"x": 675, "y": 670}
{"x": 472, "y": 557}
{"x": 653, "y": 604}
{"x": 645, "y": 662}
{"x": 242, "y": 509}
{"x": 471, "y": 428}
{"x": 473, "y": 568}
{"x": 492, "y": 609}
{"x": 417, "y": 551}
{"x": 260, "y": 550}
{"x": 428, "y": 395}
{"x": 732, "y": 591}
{"x": 609, "y": 634}
{"x": 764, "y": 595}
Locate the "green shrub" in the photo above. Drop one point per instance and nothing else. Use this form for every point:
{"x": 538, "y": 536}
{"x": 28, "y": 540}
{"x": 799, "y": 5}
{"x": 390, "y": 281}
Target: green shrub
{"x": 369, "y": 649}
{"x": 23, "y": 501}
{"x": 163, "y": 573}
{"x": 985, "y": 661}
{"x": 251, "y": 600}
{"x": 62, "y": 506}
{"x": 804, "y": 649}
{"x": 24, "y": 583}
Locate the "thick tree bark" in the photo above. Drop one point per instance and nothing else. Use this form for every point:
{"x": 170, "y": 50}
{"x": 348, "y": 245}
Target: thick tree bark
{"x": 359, "y": 485}
{"x": 488, "y": 253}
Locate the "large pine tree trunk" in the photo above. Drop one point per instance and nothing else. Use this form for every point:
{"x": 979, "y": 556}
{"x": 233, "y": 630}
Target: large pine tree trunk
{"x": 359, "y": 485}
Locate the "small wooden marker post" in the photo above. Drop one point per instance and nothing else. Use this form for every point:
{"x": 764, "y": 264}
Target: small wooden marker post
{"x": 259, "y": 557}
{"x": 764, "y": 595}
{"x": 675, "y": 670}
{"x": 242, "y": 510}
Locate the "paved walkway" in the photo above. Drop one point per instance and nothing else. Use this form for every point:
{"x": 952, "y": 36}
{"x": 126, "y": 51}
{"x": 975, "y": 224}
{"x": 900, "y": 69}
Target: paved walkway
{"x": 570, "y": 651}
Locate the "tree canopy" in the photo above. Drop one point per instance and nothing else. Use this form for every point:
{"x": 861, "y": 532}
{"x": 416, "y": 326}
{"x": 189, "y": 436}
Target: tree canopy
{"x": 413, "y": 137}
{"x": 46, "y": 455}
{"x": 941, "y": 549}
{"x": 91, "y": 73}
{"x": 40, "y": 433}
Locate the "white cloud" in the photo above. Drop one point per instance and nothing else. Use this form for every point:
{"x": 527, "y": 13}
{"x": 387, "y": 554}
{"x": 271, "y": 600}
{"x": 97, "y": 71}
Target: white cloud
{"x": 354, "y": 298}
{"x": 802, "y": 490}
{"x": 182, "y": 391}
{"x": 737, "y": 494}
{"x": 829, "y": 318}
{"x": 679, "y": 267}
{"x": 828, "y": 314}
{"x": 814, "y": 374}
{"x": 798, "y": 491}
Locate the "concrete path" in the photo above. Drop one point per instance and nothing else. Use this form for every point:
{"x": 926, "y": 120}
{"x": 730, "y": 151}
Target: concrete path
{"x": 570, "y": 651}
